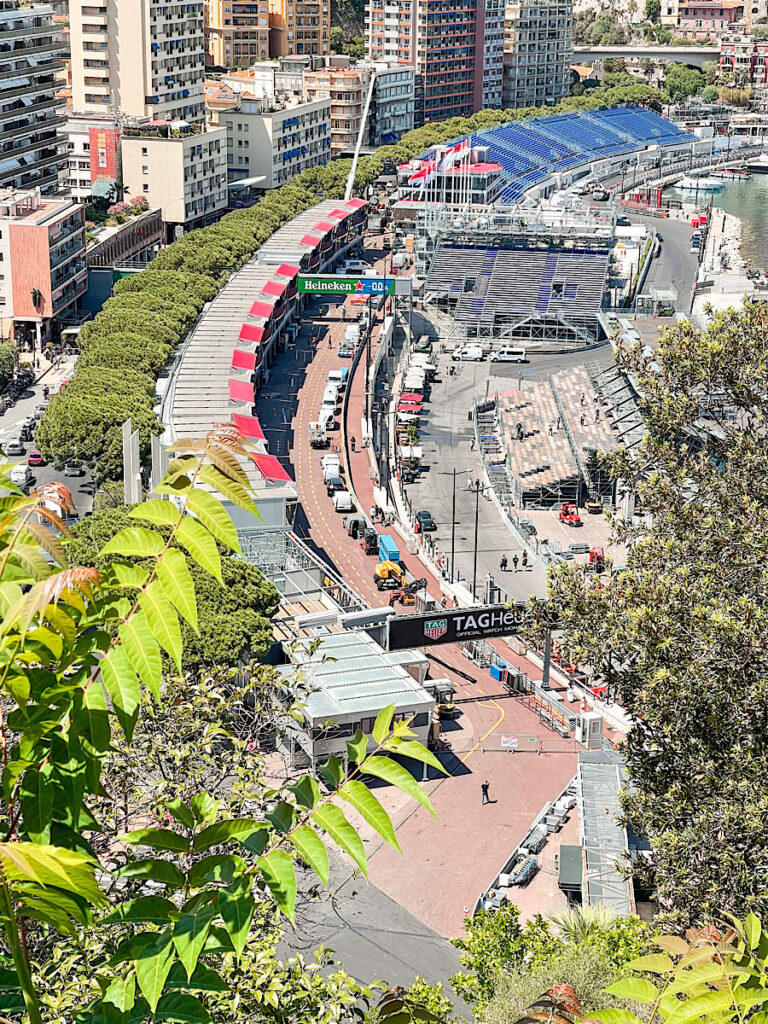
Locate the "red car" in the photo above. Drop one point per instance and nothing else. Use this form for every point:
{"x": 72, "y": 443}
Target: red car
{"x": 35, "y": 458}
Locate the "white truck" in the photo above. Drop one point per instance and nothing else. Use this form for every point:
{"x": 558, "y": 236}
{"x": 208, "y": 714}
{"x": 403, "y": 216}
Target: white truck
{"x": 351, "y": 340}
{"x": 318, "y": 437}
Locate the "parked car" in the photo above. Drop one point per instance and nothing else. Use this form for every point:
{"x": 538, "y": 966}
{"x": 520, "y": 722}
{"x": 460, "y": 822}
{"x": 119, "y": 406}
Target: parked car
{"x": 40, "y": 410}
{"x": 580, "y": 190}
{"x": 599, "y": 194}
{"x": 333, "y": 484}
{"x": 622, "y": 221}
{"x": 426, "y": 523}
{"x": 73, "y": 469}
{"x": 35, "y": 458}
{"x": 14, "y": 447}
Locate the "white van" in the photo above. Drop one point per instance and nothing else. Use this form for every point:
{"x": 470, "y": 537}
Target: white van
{"x": 358, "y": 267}
{"x": 330, "y": 396}
{"x": 335, "y": 379}
{"x": 509, "y": 355}
{"x": 21, "y": 476}
{"x": 342, "y": 501}
{"x": 326, "y": 418}
{"x": 469, "y": 354}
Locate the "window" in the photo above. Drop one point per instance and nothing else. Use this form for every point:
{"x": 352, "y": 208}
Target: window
{"x": 144, "y": 151}
{"x": 145, "y": 187}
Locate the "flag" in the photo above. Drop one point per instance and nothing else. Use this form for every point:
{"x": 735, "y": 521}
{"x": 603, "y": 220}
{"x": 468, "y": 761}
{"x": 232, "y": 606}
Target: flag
{"x": 424, "y": 173}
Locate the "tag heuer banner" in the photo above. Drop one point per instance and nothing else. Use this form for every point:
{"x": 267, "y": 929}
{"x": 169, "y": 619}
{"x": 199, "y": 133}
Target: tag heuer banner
{"x": 456, "y": 626}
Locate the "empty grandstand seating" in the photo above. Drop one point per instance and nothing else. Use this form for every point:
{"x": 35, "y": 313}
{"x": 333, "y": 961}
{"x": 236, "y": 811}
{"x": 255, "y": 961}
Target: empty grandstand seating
{"x": 488, "y": 283}
{"x": 530, "y": 151}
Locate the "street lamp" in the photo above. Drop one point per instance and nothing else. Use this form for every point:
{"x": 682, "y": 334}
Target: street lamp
{"x": 453, "y": 521}
{"x": 474, "y": 559}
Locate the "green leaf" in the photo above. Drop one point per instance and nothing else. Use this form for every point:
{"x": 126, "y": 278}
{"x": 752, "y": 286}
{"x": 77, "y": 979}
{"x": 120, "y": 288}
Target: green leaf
{"x": 162, "y": 513}
{"x": 153, "y": 963}
{"x": 157, "y": 870}
{"x": 192, "y": 535}
{"x": 217, "y": 868}
{"x": 181, "y": 1006}
{"x": 672, "y": 943}
{"x": 95, "y": 718}
{"x": 306, "y": 791}
{"x": 190, "y": 933}
{"x": 134, "y": 542}
{"x": 213, "y": 516}
{"x": 686, "y": 981}
{"x": 411, "y": 748}
{"x": 614, "y": 1016}
{"x": 282, "y": 816}
{"x": 277, "y": 869}
{"x": 332, "y": 772}
{"x": 51, "y": 865}
{"x": 49, "y": 914}
{"x": 393, "y": 773}
{"x": 382, "y": 723}
{"x": 204, "y": 807}
{"x": 236, "y": 906}
{"x": 228, "y": 488}
{"x": 122, "y": 993}
{"x": 36, "y": 792}
{"x": 224, "y": 831}
{"x": 154, "y": 909}
{"x": 158, "y": 839}
{"x": 162, "y": 620}
{"x": 134, "y": 946}
{"x": 143, "y": 652}
{"x": 708, "y": 1003}
{"x": 218, "y": 941}
{"x": 331, "y": 819}
{"x": 120, "y": 680}
{"x": 753, "y": 930}
{"x": 357, "y": 747}
{"x": 174, "y": 574}
{"x": 368, "y": 805}
{"x": 126, "y": 574}
{"x": 181, "y": 812}
{"x": 637, "y": 989}
{"x": 203, "y": 979}
{"x": 312, "y": 851}
{"x": 655, "y": 963}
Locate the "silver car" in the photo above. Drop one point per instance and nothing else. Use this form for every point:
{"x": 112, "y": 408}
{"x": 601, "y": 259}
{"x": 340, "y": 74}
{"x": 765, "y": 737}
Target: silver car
{"x": 14, "y": 447}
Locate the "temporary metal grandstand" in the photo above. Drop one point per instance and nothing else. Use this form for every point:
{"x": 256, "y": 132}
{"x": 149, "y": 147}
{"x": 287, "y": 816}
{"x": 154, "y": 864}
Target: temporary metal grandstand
{"x": 516, "y": 276}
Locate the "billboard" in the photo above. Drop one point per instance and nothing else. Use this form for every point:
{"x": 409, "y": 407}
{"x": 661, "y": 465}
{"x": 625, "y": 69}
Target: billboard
{"x": 455, "y": 626}
{"x": 309, "y": 284}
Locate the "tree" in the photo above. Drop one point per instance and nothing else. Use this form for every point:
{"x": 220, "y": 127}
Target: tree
{"x": 680, "y": 632}
{"x": 233, "y": 619}
{"x": 172, "y": 920}
{"x": 709, "y": 94}
{"x": 710, "y": 70}
{"x": 681, "y": 82}
{"x": 653, "y": 10}
{"x": 7, "y": 362}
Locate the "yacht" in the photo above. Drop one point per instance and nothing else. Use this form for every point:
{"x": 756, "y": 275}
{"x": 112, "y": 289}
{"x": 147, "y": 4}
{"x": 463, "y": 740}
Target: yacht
{"x": 759, "y": 165}
{"x": 729, "y": 175}
{"x": 692, "y": 183}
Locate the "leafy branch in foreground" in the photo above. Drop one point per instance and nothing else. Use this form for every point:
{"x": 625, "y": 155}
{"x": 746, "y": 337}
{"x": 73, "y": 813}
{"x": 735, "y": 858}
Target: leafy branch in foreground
{"x": 70, "y": 689}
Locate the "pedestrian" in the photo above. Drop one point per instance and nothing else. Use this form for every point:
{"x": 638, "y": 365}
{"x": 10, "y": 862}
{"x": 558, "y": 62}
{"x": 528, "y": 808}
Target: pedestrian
{"x": 353, "y": 442}
{"x": 583, "y": 398}
{"x": 503, "y": 563}
{"x": 581, "y": 419}
{"x": 559, "y": 423}
{"x": 444, "y": 601}
{"x": 484, "y": 787}
{"x": 472, "y": 445}
{"x": 515, "y": 561}
{"x": 477, "y": 483}
{"x": 343, "y": 313}
{"x": 488, "y": 580}
{"x": 597, "y": 415}
{"x": 373, "y": 513}
{"x": 551, "y": 429}
{"x": 330, "y": 343}
{"x": 525, "y": 559}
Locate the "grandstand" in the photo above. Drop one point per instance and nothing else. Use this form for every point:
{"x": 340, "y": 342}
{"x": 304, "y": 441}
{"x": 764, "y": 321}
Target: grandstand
{"x": 522, "y": 292}
{"x": 529, "y": 152}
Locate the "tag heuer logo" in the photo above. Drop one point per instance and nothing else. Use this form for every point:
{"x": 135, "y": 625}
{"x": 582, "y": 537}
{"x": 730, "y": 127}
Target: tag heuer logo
{"x": 436, "y": 628}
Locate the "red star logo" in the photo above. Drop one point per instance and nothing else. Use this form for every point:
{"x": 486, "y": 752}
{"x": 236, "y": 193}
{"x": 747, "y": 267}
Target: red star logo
{"x": 359, "y": 286}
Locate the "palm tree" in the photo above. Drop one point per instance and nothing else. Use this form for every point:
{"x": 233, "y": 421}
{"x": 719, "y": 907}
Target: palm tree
{"x": 574, "y": 924}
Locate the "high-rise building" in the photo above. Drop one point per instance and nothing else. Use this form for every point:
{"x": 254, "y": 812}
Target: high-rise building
{"x": 455, "y": 47}
{"x": 391, "y": 110}
{"x": 347, "y": 89}
{"x": 538, "y": 49}
{"x": 142, "y": 57}
{"x": 236, "y": 32}
{"x": 31, "y": 150}
{"x": 301, "y": 27}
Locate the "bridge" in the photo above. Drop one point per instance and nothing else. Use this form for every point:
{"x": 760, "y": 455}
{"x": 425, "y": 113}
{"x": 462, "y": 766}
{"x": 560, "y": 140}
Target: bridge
{"x": 694, "y": 56}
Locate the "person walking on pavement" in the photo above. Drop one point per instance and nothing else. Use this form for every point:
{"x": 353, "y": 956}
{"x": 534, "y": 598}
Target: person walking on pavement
{"x": 353, "y": 444}
{"x": 330, "y": 343}
{"x": 373, "y": 513}
{"x": 484, "y": 787}
{"x": 503, "y": 563}
{"x": 551, "y": 429}
{"x": 514, "y": 561}
{"x": 525, "y": 559}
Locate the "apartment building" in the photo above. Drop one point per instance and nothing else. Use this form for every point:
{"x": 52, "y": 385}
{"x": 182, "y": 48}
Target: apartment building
{"x": 347, "y": 90}
{"x": 538, "y": 50}
{"x": 143, "y": 57}
{"x": 272, "y": 144}
{"x": 42, "y": 254}
{"x": 236, "y": 32}
{"x": 180, "y": 168}
{"x": 31, "y": 149}
{"x": 93, "y": 154}
{"x": 445, "y": 42}
{"x": 707, "y": 20}
{"x": 300, "y": 27}
{"x": 392, "y": 108}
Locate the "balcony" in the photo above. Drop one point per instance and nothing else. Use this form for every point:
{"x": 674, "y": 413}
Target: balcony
{"x": 29, "y": 129}
{"x": 22, "y": 111}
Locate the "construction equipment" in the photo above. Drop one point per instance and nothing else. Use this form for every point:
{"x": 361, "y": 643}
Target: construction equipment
{"x": 369, "y": 541}
{"x": 389, "y": 575}
{"x": 596, "y": 562}
{"x": 407, "y": 594}
{"x": 569, "y": 514}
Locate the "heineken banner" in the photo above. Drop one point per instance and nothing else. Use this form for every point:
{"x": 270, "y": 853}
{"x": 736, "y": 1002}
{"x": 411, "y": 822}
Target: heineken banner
{"x": 455, "y": 626}
{"x": 346, "y": 285}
